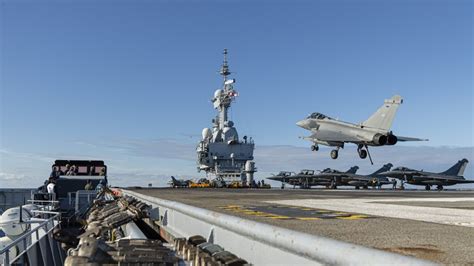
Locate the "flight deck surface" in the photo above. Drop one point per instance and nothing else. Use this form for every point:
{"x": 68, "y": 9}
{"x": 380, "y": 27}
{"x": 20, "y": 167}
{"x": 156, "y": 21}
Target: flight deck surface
{"x": 437, "y": 226}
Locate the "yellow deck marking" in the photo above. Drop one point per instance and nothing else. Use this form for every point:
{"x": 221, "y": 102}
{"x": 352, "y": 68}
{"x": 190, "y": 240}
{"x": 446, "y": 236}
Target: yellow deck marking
{"x": 279, "y": 217}
{"x": 308, "y": 218}
{"x": 353, "y": 217}
{"x": 326, "y": 213}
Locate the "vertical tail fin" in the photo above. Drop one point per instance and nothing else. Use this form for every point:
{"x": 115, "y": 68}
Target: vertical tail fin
{"x": 384, "y": 116}
{"x": 457, "y": 169}
{"x": 353, "y": 170}
{"x": 384, "y": 168}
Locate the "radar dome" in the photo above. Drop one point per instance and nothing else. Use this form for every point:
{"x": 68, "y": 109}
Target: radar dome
{"x": 217, "y": 93}
{"x": 206, "y": 133}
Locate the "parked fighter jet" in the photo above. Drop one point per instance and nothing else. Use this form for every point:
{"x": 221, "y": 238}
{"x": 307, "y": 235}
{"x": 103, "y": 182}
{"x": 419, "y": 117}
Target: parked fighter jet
{"x": 374, "y": 179}
{"x": 375, "y": 131}
{"x": 307, "y": 178}
{"x": 179, "y": 183}
{"x": 452, "y": 176}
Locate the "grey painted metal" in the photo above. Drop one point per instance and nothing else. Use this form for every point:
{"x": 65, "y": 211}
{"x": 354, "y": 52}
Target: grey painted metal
{"x": 25, "y": 243}
{"x": 13, "y": 197}
{"x": 264, "y": 244}
{"x": 132, "y": 231}
{"x": 83, "y": 198}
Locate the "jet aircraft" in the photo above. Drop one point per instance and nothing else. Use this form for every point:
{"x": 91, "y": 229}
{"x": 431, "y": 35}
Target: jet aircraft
{"x": 452, "y": 176}
{"x": 307, "y": 178}
{"x": 332, "y": 178}
{"x": 375, "y": 131}
{"x": 374, "y": 179}
{"x": 179, "y": 183}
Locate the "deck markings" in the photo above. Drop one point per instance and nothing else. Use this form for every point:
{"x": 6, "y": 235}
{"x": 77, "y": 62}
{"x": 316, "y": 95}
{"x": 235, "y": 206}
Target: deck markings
{"x": 388, "y": 208}
{"x": 285, "y": 212}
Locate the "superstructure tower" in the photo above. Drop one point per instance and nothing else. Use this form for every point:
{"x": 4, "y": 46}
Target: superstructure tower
{"x": 220, "y": 152}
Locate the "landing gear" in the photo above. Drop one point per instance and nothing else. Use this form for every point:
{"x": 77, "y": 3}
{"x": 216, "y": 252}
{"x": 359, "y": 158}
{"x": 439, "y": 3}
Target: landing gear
{"x": 333, "y": 184}
{"x": 365, "y": 187}
{"x": 334, "y": 154}
{"x": 314, "y": 148}
{"x": 439, "y": 187}
{"x": 363, "y": 151}
{"x": 427, "y": 187}
{"x": 357, "y": 187}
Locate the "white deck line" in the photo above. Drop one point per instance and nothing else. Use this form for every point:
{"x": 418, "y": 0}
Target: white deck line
{"x": 459, "y": 217}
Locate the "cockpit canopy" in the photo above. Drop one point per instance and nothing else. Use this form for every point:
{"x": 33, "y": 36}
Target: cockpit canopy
{"x": 317, "y": 116}
{"x": 306, "y": 172}
{"x": 402, "y": 169}
{"x": 284, "y": 173}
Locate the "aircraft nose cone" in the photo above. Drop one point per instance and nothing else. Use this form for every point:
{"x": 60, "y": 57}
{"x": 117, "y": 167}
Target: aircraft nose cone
{"x": 303, "y": 123}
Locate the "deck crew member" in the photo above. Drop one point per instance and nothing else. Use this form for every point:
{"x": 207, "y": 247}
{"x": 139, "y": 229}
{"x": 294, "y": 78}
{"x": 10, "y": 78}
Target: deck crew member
{"x": 51, "y": 188}
{"x": 89, "y": 185}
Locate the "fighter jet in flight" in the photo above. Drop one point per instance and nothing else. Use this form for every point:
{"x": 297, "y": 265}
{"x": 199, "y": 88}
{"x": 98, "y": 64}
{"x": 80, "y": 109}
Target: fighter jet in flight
{"x": 375, "y": 131}
{"x": 452, "y": 176}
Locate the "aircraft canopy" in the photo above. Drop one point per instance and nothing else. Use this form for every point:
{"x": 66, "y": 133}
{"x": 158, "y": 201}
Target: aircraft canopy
{"x": 317, "y": 116}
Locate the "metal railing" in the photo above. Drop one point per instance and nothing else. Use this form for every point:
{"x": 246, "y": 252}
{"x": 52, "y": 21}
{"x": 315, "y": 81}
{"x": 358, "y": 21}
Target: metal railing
{"x": 46, "y": 224}
{"x": 264, "y": 244}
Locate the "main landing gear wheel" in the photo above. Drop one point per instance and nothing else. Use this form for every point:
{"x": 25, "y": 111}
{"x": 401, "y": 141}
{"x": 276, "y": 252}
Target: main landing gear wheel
{"x": 439, "y": 187}
{"x": 314, "y": 148}
{"x": 334, "y": 154}
{"x": 427, "y": 187}
{"x": 363, "y": 154}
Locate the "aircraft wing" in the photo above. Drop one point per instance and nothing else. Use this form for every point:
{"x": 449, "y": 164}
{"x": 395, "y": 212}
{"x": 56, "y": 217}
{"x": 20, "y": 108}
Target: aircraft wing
{"x": 444, "y": 178}
{"x": 410, "y": 139}
{"x": 359, "y": 177}
{"x": 331, "y": 175}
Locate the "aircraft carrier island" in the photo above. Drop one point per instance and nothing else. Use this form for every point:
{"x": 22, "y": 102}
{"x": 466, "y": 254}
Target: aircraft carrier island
{"x": 221, "y": 154}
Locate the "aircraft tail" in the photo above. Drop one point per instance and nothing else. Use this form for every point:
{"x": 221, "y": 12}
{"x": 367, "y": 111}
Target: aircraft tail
{"x": 174, "y": 179}
{"x": 353, "y": 170}
{"x": 384, "y": 116}
{"x": 384, "y": 168}
{"x": 457, "y": 169}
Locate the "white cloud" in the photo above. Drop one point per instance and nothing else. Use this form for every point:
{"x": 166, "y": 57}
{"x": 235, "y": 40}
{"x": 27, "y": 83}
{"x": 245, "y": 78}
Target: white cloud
{"x": 139, "y": 162}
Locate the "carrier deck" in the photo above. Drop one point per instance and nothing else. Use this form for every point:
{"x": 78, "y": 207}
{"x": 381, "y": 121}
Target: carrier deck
{"x": 435, "y": 226}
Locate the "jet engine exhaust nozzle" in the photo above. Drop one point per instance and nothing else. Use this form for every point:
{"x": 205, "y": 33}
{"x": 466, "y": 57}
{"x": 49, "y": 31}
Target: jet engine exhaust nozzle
{"x": 392, "y": 139}
{"x": 380, "y": 139}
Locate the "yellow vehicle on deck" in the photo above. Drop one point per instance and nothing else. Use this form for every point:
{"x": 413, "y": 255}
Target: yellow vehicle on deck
{"x": 202, "y": 183}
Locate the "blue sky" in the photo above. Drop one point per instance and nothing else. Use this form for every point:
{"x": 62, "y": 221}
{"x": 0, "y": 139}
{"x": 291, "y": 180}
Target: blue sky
{"x": 115, "y": 79}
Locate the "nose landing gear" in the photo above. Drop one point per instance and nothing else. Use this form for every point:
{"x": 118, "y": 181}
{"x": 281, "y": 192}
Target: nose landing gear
{"x": 314, "y": 148}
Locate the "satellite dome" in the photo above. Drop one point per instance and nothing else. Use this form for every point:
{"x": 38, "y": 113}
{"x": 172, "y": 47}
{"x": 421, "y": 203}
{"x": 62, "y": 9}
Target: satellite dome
{"x": 217, "y": 93}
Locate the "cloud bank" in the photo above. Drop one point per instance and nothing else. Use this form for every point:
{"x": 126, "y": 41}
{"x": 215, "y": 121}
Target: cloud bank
{"x": 138, "y": 162}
